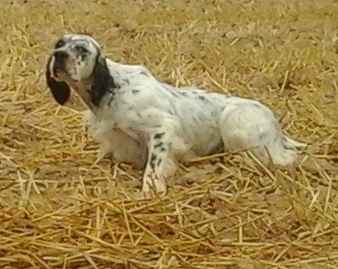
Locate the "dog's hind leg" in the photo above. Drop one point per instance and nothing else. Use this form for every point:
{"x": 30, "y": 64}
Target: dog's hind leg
{"x": 252, "y": 126}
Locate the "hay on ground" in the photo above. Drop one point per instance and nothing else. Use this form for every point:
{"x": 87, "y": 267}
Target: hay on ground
{"x": 60, "y": 210}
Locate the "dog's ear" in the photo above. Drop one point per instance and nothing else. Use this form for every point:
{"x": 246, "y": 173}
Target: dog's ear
{"x": 60, "y": 90}
{"x": 102, "y": 81}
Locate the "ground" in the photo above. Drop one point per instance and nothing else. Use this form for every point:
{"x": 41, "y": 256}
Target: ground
{"x": 61, "y": 209}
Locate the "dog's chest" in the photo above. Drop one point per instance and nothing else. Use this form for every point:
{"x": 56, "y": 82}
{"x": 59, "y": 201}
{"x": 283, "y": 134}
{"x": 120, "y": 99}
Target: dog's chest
{"x": 102, "y": 124}
{"x": 107, "y": 131}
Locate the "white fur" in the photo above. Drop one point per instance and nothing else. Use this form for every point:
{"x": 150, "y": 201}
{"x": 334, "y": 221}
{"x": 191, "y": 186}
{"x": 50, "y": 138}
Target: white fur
{"x": 148, "y": 122}
{"x": 192, "y": 126}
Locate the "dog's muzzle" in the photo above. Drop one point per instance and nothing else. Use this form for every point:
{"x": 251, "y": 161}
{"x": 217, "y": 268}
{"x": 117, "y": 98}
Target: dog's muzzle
{"x": 58, "y": 62}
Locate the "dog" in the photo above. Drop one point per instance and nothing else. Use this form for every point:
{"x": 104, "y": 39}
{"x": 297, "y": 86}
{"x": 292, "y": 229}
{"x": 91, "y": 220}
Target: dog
{"x": 152, "y": 125}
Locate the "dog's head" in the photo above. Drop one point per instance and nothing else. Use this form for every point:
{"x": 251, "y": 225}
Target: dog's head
{"x": 77, "y": 58}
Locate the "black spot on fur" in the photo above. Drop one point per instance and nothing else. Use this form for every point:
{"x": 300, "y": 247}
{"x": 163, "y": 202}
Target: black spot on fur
{"x": 60, "y": 90}
{"x": 135, "y": 91}
{"x": 152, "y": 161}
{"x": 262, "y": 135}
{"x": 111, "y": 99}
{"x": 103, "y": 81}
{"x": 159, "y": 135}
{"x": 203, "y": 99}
{"x": 158, "y": 145}
{"x": 126, "y": 81}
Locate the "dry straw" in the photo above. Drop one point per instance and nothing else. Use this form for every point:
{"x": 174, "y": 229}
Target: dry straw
{"x": 60, "y": 209}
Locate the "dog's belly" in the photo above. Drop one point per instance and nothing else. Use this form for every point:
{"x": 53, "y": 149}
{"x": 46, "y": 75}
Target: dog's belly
{"x": 207, "y": 144}
{"x": 201, "y": 138}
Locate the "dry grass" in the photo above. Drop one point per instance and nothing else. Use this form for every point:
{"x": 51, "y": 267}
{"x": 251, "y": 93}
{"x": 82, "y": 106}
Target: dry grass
{"x": 60, "y": 210}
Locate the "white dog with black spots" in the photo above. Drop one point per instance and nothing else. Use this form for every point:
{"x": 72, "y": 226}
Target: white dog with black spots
{"x": 151, "y": 124}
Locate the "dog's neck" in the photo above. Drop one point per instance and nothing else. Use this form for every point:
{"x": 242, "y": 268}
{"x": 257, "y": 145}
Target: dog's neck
{"x": 83, "y": 89}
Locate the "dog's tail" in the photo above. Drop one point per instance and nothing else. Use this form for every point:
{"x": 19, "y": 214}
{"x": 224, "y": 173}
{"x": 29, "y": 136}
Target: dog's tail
{"x": 283, "y": 152}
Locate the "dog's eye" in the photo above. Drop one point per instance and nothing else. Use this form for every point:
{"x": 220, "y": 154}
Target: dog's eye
{"x": 81, "y": 49}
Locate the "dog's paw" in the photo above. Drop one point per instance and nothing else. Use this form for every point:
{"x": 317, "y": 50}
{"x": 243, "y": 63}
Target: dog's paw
{"x": 145, "y": 195}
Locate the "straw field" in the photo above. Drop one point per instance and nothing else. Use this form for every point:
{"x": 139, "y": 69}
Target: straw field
{"x": 61, "y": 209}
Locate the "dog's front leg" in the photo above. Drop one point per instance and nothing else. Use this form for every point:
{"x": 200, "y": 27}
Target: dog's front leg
{"x": 154, "y": 177}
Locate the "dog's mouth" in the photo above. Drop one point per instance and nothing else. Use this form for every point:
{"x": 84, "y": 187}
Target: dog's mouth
{"x": 59, "y": 70}
{"x": 58, "y": 63}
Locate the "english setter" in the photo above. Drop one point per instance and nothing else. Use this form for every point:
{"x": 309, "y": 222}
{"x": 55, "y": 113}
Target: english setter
{"x": 151, "y": 124}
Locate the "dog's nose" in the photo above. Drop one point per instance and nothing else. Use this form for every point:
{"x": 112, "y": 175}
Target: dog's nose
{"x": 60, "y": 55}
